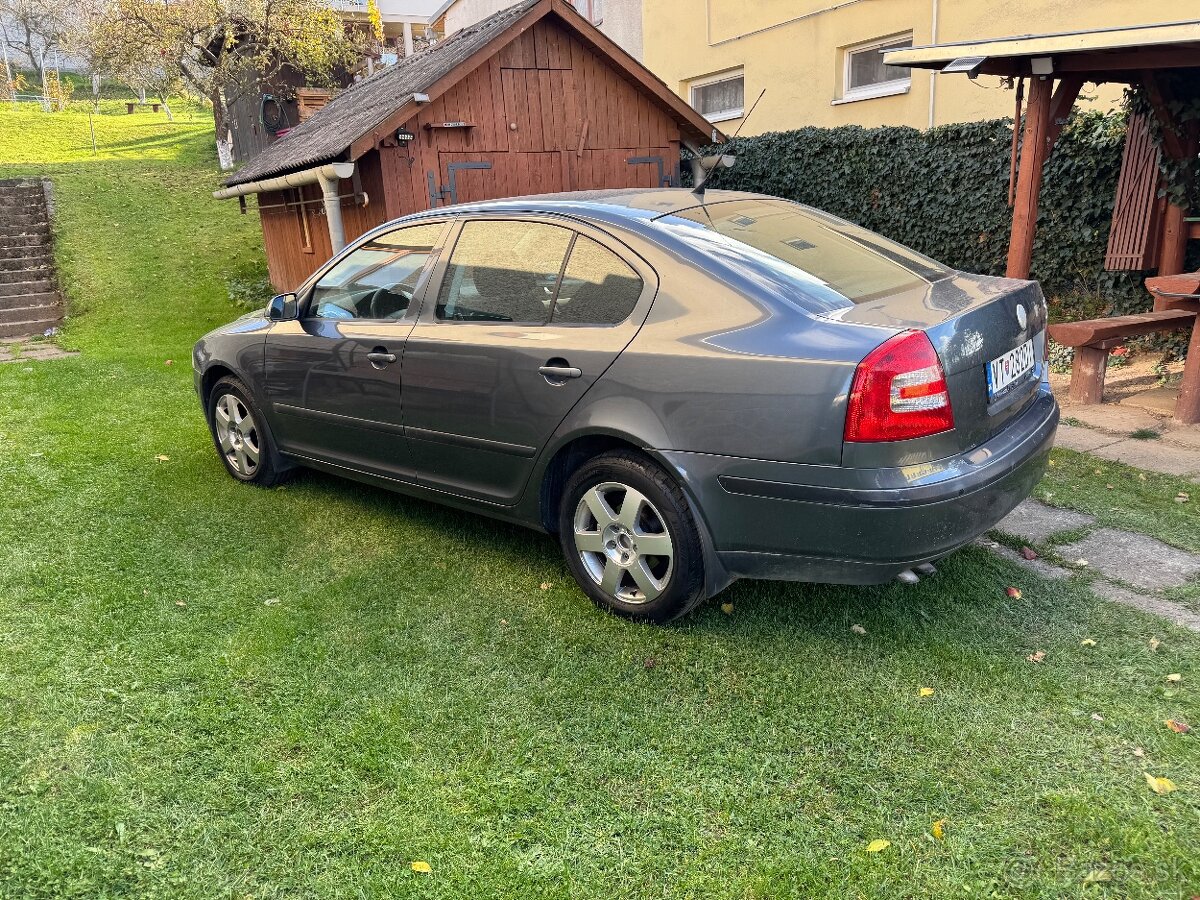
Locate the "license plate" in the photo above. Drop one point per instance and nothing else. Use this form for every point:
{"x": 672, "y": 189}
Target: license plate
{"x": 1011, "y": 367}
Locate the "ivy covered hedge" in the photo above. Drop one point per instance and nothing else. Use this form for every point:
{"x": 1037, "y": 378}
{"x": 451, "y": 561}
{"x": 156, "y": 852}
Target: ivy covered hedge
{"x": 945, "y": 192}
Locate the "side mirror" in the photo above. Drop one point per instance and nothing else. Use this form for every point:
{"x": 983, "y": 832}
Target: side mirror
{"x": 283, "y": 308}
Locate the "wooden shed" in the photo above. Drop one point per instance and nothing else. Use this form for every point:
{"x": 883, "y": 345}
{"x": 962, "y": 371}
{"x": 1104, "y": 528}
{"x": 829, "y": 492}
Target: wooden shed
{"x": 532, "y": 100}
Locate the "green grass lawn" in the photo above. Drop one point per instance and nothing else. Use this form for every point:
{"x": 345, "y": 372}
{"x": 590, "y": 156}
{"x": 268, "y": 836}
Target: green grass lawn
{"x": 208, "y": 690}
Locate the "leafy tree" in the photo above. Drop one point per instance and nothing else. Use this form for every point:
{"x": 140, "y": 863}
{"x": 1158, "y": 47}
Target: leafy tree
{"x": 222, "y": 49}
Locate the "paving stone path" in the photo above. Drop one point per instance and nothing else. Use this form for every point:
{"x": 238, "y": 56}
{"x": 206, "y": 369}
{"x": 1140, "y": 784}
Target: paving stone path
{"x": 1135, "y": 569}
{"x": 25, "y": 351}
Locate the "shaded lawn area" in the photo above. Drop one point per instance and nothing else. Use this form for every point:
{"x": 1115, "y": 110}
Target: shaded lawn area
{"x": 210, "y": 690}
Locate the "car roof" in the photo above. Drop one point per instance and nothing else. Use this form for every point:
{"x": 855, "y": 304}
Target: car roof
{"x": 630, "y": 203}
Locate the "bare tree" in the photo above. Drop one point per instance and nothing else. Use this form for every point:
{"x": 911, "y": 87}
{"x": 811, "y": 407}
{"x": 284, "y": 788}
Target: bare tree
{"x": 34, "y": 29}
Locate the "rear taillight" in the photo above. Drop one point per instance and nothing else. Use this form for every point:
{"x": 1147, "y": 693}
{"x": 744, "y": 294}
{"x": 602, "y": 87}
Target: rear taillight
{"x": 899, "y": 392}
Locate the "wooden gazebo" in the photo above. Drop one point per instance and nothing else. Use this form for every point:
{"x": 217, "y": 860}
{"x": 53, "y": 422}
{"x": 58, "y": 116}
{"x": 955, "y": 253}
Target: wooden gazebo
{"x": 1149, "y": 232}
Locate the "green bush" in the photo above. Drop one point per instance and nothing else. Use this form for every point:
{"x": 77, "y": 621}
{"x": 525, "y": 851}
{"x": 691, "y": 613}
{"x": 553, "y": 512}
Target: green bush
{"x": 945, "y": 192}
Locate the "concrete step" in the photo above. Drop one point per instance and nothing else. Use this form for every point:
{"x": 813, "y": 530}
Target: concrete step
{"x": 10, "y": 206}
{"x": 46, "y": 313}
{"x": 20, "y": 263}
{"x": 11, "y": 231}
{"x": 35, "y": 219}
{"x": 43, "y": 273}
{"x": 27, "y": 327}
{"x": 25, "y": 288}
{"x": 7, "y": 242}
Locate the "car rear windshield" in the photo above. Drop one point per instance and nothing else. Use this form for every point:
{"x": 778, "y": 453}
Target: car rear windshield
{"x": 856, "y": 263}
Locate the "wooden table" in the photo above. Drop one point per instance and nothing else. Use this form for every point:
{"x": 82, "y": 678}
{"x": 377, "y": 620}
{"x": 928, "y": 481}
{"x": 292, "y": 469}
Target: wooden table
{"x": 1183, "y": 292}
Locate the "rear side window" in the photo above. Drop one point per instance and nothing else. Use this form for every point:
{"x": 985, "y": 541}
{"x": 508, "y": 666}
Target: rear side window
{"x": 598, "y": 287}
{"x": 376, "y": 281}
{"x": 503, "y": 272}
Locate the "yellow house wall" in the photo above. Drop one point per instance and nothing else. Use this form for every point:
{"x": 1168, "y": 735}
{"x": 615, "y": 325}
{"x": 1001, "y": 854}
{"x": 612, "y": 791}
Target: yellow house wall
{"x": 795, "y": 49}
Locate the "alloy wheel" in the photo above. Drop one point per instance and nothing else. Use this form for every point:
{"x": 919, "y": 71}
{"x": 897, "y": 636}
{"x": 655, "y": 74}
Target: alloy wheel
{"x": 237, "y": 435}
{"x": 623, "y": 542}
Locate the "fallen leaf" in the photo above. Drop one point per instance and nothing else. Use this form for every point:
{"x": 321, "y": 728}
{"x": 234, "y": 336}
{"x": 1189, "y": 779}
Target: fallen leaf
{"x": 877, "y": 845}
{"x": 545, "y": 585}
{"x": 168, "y": 362}
{"x": 1036, "y": 657}
{"x": 1177, "y": 726}
{"x": 1014, "y": 593}
{"x": 504, "y": 621}
{"x": 727, "y": 608}
{"x": 1082, "y": 563}
{"x": 926, "y": 692}
{"x": 1096, "y": 876}
{"x": 1174, "y": 678}
{"x": 1155, "y": 643}
{"x": 938, "y": 829}
{"x": 1159, "y": 785}
{"x": 649, "y": 663}
{"x": 180, "y": 603}
{"x": 271, "y": 601}
{"x": 1139, "y": 752}
{"x": 1096, "y": 717}
{"x": 162, "y": 457}
{"x": 1029, "y": 553}
{"x": 422, "y": 867}
{"x": 858, "y": 629}
{"x": 1141, "y": 476}
{"x": 1087, "y": 642}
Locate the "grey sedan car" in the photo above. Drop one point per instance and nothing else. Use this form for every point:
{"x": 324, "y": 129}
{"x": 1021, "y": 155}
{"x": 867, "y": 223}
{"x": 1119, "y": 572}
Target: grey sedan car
{"x": 684, "y": 389}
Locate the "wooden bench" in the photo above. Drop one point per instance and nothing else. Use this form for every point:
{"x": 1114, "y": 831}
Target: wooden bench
{"x": 130, "y": 105}
{"x": 1093, "y": 338}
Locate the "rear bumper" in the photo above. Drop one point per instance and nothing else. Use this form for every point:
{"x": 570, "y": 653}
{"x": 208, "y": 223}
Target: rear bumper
{"x": 863, "y": 526}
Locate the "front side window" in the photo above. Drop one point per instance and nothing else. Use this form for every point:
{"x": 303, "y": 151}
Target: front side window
{"x": 377, "y": 281}
{"x": 598, "y": 287}
{"x": 503, "y": 272}
{"x": 866, "y": 75}
{"x": 720, "y": 98}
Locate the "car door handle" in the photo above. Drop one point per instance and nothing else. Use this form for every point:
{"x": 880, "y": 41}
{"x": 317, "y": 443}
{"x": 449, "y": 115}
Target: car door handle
{"x": 381, "y": 358}
{"x": 559, "y": 373}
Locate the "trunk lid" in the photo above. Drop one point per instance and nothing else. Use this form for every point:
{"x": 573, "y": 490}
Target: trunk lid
{"x": 971, "y": 320}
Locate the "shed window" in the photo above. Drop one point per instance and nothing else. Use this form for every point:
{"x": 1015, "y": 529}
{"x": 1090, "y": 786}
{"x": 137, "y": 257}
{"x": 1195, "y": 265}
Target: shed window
{"x": 720, "y": 98}
{"x": 865, "y": 74}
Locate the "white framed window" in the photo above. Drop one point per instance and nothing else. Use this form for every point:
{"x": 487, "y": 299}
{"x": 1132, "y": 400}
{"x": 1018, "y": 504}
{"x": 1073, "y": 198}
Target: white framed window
{"x": 719, "y": 97}
{"x": 592, "y": 10}
{"x": 864, "y": 75}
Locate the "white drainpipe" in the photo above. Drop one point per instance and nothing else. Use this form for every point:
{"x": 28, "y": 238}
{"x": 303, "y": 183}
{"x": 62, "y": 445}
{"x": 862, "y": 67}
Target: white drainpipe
{"x": 326, "y": 176}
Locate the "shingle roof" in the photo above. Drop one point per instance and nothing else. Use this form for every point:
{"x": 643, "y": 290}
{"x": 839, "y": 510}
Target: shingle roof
{"x": 328, "y": 133}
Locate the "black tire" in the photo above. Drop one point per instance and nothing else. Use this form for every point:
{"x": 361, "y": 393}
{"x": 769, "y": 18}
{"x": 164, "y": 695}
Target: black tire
{"x": 269, "y": 469}
{"x": 594, "y": 550}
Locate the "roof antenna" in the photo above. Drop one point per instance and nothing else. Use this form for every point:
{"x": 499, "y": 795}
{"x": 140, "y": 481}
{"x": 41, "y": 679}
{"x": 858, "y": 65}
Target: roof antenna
{"x": 719, "y": 161}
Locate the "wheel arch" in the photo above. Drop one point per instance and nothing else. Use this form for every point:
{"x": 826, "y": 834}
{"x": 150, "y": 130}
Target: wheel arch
{"x": 211, "y": 376}
{"x": 574, "y": 450}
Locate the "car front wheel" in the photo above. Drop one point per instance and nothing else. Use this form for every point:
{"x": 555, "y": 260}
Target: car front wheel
{"x": 240, "y": 435}
{"x": 629, "y": 538}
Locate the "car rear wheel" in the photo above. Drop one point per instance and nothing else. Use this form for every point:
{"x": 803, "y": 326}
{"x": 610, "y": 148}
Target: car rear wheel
{"x": 240, "y": 435}
{"x": 629, "y": 539}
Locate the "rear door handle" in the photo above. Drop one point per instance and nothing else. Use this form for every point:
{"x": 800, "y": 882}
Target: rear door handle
{"x": 559, "y": 374}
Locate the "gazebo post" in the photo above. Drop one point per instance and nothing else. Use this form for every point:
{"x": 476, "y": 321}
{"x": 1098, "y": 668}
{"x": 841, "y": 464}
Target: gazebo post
{"x": 1029, "y": 176}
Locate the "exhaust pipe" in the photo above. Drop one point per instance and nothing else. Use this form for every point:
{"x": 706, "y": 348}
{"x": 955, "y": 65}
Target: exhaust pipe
{"x": 908, "y": 576}
{"x": 926, "y": 569}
